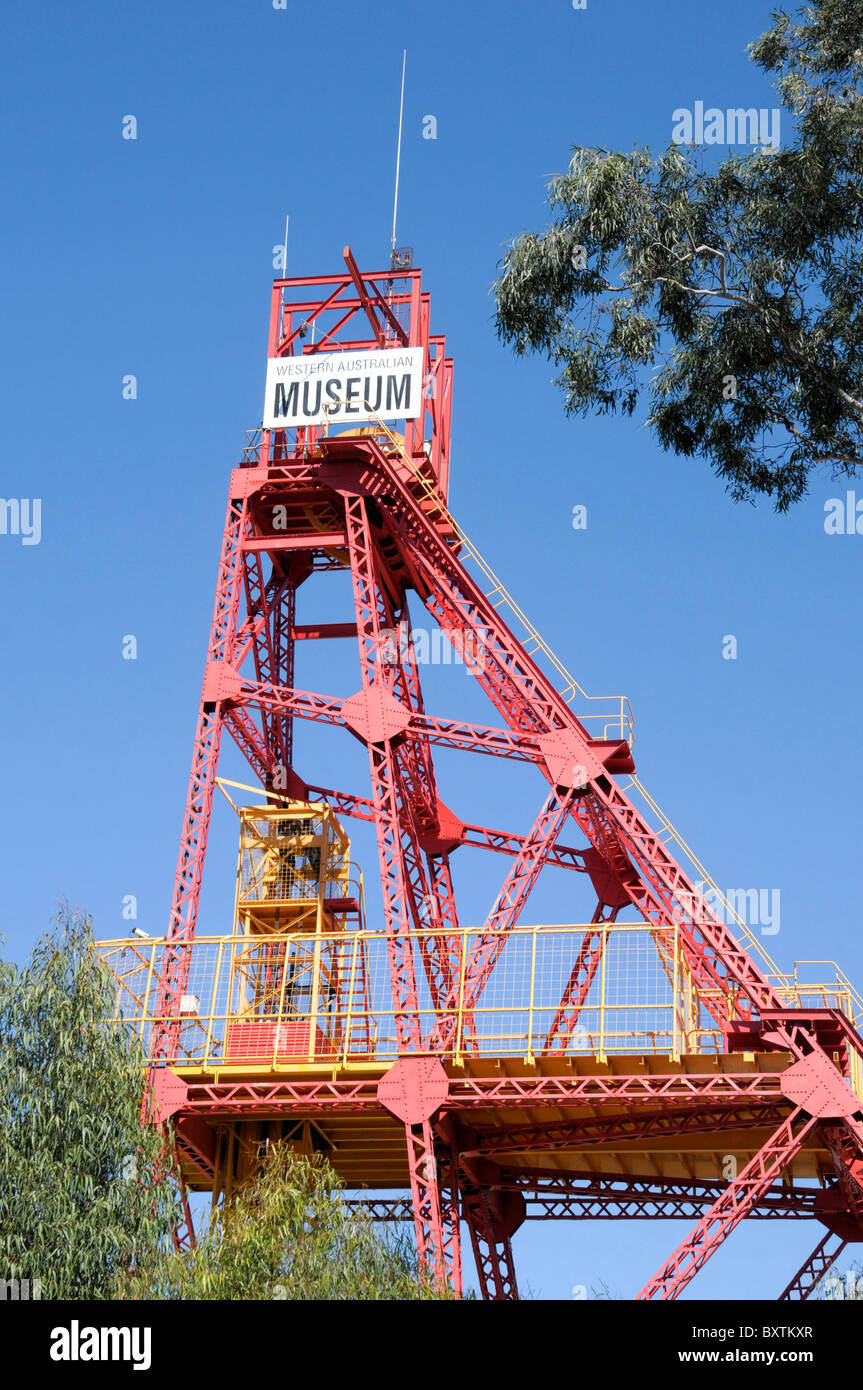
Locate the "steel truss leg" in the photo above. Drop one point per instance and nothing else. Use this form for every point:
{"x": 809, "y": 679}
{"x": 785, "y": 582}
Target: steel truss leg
{"x": 386, "y": 785}
{"x": 451, "y": 1217}
{"x": 406, "y": 685}
{"x": 812, "y": 1271}
{"x": 440, "y": 948}
{"x": 202, "y": 783}
{"x": 184, "y": 1235}
{"x": 440, "y": 879}
{"x": 495, "y": 1266}
{"x": 283, "y": 618}
{"x": 736, "y": 1202}
{"x": 428, "y": 897}
{"x": 166, "y": 1167}
{"x": 436, "y": 1220}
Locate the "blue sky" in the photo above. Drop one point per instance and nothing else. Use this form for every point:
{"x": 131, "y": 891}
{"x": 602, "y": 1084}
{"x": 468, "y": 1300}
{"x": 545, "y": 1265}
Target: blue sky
{"x": 154, "y": 257}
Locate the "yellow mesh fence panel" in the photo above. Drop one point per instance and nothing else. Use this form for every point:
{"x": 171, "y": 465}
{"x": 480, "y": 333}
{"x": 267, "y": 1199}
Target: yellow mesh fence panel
{"x": 333, "y": 993}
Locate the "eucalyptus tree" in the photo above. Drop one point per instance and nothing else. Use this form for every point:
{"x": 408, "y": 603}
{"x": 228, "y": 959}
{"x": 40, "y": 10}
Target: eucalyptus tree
{"x": 725, "y": 294}
{"x": 287, "y": 1235}
{"x": 84, "y": 1190}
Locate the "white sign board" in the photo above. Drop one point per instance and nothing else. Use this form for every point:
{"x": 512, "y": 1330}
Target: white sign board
{"x": 344, "y": 386}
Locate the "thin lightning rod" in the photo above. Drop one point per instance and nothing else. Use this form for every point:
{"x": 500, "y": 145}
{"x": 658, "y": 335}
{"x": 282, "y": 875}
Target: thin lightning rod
{"x": 285, "y": 251}
{"x": 399, "y": 147}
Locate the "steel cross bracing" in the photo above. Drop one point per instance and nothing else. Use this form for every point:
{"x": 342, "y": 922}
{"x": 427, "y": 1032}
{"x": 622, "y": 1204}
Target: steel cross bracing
{"x": 586, "y": 1197}
{"x": 435, "y": 1252}
{"x": 632, "y": 1126}
{"x": 815, "y": 1267}
{"x": 729, "y": 1209}
{"x": 480, "y": 836}
{"x": 359, "y": 1095}
{"x": 375, "y": 503}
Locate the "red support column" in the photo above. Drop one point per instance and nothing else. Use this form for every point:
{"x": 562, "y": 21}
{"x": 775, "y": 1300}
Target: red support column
{"x": 492, "y": 1251}
{"x": 376, "y": 718}
{"x": 433, "y": 901}
{"x": 282, "y": 724}
{"x": 414, "y": 1089}
{"x": 426, "y": 1194}
{"x": 451, "y": 1217}
{"x": 184, "y": 1235}
{"x": 450, "y": 944}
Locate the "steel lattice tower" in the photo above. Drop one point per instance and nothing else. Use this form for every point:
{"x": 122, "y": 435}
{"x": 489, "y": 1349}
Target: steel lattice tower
{"x": 496, "y": 1072}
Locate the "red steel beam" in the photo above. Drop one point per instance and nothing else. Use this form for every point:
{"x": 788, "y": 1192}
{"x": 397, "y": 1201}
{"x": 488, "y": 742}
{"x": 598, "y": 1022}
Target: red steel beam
{"x": 629, "y": 1128}
{"x": 478, "y": 836}
{"x": 310, "y": 540}
{"x": 357, "y": 1096}
{"x": 589, "y": 1196}
{"x": 302, "y": 632}
{"x": 372, "y": 302}
{"x": 665, "y": 1196}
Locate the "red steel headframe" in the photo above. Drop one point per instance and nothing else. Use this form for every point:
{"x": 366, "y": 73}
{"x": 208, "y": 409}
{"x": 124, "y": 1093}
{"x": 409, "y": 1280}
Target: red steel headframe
{"x": 353, "y": 499}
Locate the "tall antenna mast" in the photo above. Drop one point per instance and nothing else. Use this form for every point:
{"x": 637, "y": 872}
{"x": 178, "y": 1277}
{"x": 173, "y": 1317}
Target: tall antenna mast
{"x": 398, "y": 154}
